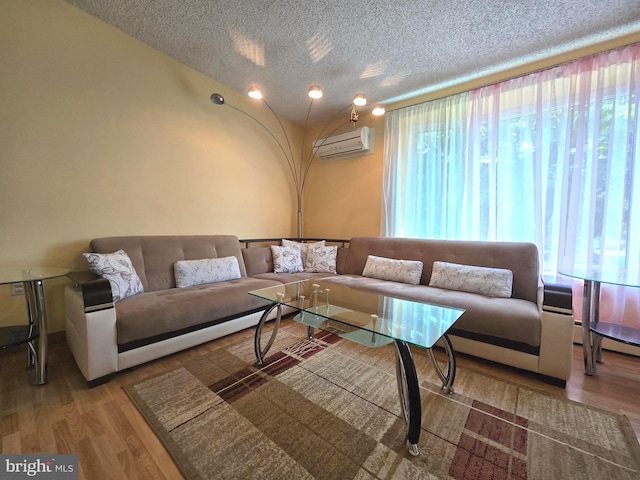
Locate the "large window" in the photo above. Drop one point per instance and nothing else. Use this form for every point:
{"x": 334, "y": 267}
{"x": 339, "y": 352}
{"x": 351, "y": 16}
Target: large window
{"x": 550, "y": 158}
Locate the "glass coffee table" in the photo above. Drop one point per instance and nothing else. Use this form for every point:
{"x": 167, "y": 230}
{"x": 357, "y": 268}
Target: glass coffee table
{"x": 372, "y": 320}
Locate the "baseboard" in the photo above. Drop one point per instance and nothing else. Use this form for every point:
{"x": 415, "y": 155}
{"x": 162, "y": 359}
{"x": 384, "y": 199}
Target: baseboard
{"x": 57, "y": 337}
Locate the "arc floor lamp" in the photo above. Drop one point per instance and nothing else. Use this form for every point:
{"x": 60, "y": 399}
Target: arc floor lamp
{"x": 299, "y": 165}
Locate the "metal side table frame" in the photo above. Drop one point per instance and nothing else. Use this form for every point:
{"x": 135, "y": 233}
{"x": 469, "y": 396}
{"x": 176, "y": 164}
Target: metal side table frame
{"x": 593, "y": 331}
{"x": 38, "y": 336}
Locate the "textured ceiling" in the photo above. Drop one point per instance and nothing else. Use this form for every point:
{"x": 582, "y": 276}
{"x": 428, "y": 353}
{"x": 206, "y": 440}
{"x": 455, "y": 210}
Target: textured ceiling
{"x": 389, "y": 50}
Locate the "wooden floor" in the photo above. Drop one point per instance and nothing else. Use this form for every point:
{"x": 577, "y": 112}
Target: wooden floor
{"x": 114, "y": 442}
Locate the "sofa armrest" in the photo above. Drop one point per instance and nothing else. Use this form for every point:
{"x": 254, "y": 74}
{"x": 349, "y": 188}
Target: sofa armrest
{"x": 90, "y": 327}
{"x": 558, "y": 298}
{"x": 556, "y": 342}
{"x": 96, "y": 291}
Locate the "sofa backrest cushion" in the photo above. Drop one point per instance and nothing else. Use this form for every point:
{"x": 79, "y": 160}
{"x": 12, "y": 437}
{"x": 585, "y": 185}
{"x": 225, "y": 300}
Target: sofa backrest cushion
{"x": 519, "y": 257}
{"x": 154, "y": 257}
{"x": 257, "y": 260}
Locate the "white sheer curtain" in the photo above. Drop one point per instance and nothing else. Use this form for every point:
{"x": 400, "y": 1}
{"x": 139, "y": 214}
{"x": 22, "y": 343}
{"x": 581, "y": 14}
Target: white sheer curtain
{"x": 550, "y": 158}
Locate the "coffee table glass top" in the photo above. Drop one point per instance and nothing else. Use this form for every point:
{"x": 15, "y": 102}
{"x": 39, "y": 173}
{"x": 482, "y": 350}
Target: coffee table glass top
{"x": 364, "y": 317}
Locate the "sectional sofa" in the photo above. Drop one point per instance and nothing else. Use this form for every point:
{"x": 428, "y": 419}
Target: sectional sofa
{"x": 187, "y": 290}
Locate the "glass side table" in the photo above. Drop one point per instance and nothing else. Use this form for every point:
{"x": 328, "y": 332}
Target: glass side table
{"x": 593, "y": 330}
{"x": 35, "y": 333}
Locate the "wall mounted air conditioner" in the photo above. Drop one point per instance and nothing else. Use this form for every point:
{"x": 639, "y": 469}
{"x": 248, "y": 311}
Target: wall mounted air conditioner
{"x": 353, "y": 143}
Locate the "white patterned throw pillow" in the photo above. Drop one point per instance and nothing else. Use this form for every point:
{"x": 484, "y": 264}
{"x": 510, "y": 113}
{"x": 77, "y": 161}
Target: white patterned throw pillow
{"x": 492, "y": 282}
{"x": 321, "y": 259}
{"x": 189, "y": 273}
{"x": 287, "y": 259}
{"x": 405, "y": 271}
{"x": 118, "y": 269}
{"x": 303, "y": 246}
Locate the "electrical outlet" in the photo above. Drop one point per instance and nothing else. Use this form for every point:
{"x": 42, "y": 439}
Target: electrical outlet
{"x": 17, "y": 289}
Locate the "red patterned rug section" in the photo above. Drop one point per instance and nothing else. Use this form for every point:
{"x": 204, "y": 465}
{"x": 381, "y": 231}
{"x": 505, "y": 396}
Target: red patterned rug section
{"x": 493, "y": 446}
{"x": 236, "y": 386}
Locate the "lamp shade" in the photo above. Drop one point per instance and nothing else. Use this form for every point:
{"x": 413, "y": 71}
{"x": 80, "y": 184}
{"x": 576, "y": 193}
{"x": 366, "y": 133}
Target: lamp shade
{"x": 378, "y": 110}
{"x": 254, "y": 92}
{"x": 315, "y": 92}
{"x": 217, "y": 98}
{"x": 360, "y": 100}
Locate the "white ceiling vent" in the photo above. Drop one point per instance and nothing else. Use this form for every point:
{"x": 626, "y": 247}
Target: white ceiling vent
{"x": 354, "y": 143}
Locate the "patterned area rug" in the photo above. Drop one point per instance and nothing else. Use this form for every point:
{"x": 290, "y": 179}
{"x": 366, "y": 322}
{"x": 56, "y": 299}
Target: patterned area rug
{"x": 329, "y": 409}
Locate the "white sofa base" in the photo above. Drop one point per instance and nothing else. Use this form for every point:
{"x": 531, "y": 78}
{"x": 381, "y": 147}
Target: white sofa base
{"x": 554, "y": 360}
{"x": 91, "y": 337}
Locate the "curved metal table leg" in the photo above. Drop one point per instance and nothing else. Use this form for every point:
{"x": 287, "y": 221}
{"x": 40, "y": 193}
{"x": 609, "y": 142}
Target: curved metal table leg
{"x": 261, "y": 353}
{"x": 409, "y": 392}
{"x": 449, "y": 376}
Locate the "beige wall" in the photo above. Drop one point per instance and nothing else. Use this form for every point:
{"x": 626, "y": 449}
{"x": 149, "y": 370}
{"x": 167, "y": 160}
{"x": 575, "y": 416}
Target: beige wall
{"x": 343, "y": 198}
{"x": 102, "y": 135}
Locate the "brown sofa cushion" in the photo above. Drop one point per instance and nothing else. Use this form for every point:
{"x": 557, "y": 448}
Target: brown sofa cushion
{"x": 512, "y": 319}
{"x": 257, "y": 260}
{"x": 520, "y": 258}
{"x": 292, "y": 277}
{"x": 152, "y": 314}
{"x": 153, "y": 257}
